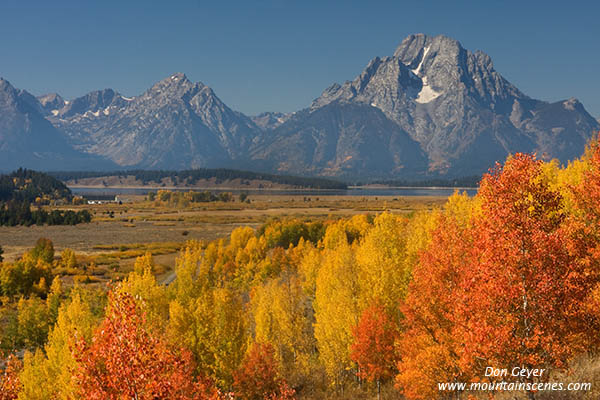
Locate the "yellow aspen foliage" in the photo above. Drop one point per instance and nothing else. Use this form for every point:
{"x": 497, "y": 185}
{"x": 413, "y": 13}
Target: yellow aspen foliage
{"x": 249, "y": 261}
{"x": 212, "y": 326}
{"x": 33, "y": 322}
{"x": 215, "y": 260}
{"x": 308, "y": 269}
{"x": 281, "y": 319}
{"x": 228, "y": 335}
{"x": 383, "y": 274}
{"x": 142, "y": 285}
{"x": 49, "y": 376}
{"x": 419, "y": 234}
{"x": 346, "y": 231}
{"x": 188, "y": 276}
{"x": 33, "y": 379}
{"x": 335, "y": 235}
{"x": 358, "y": 225}
{"x": 41, "y": 287}
{"x": 336, "y": 310}
{"x": 67, "y": 258}
{"x": 573, "y": 176}
{"x": 553, "y": 174}
{"x": 239, "y": 238}
{"x": 54, "y": 298}
{"x": 143, "y": 263}
{"x": 296, "y": 253}
{"x": 192, "y": 300}
{"x": 462, "y": 208}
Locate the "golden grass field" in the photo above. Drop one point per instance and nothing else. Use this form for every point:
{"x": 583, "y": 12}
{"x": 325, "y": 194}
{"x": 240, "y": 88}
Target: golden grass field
{"x": 138, "y": 226}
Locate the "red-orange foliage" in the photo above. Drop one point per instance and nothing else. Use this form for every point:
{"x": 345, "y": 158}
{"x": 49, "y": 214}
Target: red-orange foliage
{"x": 521, "y": 301}
{"x": 373, "y": 348}
{"x": 9, "y": 379}
{"x": 587, "y": 194}
{"x": 586, "y": 223}
{"x": 126, "y": 361}
{"x": 430, "y": 348}
{"x": 258, "y": 377}
{"x": 509, "y": 289}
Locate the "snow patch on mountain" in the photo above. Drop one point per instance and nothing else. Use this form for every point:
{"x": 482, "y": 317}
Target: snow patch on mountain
{"x": 418, "y": 69}
{"x": 427, "y": 94}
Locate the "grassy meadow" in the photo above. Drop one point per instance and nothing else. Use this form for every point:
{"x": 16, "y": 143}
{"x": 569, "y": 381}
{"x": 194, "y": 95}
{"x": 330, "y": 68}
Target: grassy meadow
{"x": 119, "y": 233}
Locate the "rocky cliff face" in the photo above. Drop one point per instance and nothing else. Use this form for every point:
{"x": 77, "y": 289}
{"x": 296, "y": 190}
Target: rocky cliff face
{"x": 28, "y": 140}
{"x": 341, "y": 139}
{"x": 174, "y": 124}
{"x": 431, "y": 109}
{"x": 462, "y": 112}
{"x": 270, "y": 120}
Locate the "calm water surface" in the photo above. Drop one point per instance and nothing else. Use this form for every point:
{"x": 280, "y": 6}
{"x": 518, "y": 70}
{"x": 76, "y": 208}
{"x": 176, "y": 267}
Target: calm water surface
{"x": 299, "y": 192}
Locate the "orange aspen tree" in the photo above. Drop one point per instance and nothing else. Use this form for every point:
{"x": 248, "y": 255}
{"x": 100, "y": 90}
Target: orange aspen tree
{"x": 125, "y": 360}
{"x": 373, "y": 348}
{"x": 522, "y": 300}
{"x": 258, "y": 377}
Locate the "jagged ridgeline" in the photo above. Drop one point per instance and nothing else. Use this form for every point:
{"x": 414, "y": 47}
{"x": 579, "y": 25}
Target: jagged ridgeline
{"x": 192, "y": 176}
{"x": 432, "y": 109}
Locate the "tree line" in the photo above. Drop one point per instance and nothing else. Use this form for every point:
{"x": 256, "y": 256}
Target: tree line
{"x": 183, "y": 199}
{"x": 22, "y": 188}
{"x": 467, "y": 182}
{"x": 192, "y": 176}
{"x": 28, "y": 185}
{"x": 14, "y": 213}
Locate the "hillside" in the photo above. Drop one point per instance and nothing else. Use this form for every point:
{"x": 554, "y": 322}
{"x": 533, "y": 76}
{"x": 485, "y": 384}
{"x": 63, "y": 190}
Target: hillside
{"x": 196, "y": 178}
{"x": 26, "y": 185}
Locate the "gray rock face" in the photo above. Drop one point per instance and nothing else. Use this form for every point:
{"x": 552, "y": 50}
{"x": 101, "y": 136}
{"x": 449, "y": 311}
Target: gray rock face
{"x": 28, "y": 140}
{"x": 462, "y": 112}
{"x": 269, "y": 120}
{"x": 431, "y": 109}
{"x": 51, "y": 102}
{"x": 341, "y": 139}
{"x": 93, "y": 103}
{"x": 175, "y": 124}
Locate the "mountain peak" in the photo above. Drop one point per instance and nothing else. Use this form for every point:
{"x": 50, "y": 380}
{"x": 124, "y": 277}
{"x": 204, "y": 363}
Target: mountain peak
{"x": 572, "y": 104}
{"x": 5, "y": 85}
{"x": 431, "y": 108}
{"x": 414, "y": 49}
{"x": 51, "y": 103}
{"x": 177, "y": 78}
{"x": 178, "y": 75}
{"x": 453, "y": 103}
{"x": 174, "y": 86}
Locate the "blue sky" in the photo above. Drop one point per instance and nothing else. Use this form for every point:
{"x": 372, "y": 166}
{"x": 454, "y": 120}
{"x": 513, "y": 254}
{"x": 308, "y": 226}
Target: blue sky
{"x": 268, "y": 55}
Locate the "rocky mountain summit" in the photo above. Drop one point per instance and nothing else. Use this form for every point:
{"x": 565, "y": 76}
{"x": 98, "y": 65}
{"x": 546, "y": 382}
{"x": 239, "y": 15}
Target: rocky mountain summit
{"x": 270, "y": 120}
{"x": 28, "y": 139}
{"x": 462, "y": 113}
{"x": 432, "y": 109}
{"x": 174, "y": 124}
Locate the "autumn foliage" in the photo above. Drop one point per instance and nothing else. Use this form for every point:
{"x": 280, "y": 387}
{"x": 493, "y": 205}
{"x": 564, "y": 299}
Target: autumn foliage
{"x": 509, "y": 287}
{"x": 430, "y": 346}
{"x": 523, "y": 297}
{"x": 373, "y": 348}
{"x": 125, "y": 361}
{"x": 258, "y": 377}
{"x": 333, "y": 308}
{"x": 9, "y": 379}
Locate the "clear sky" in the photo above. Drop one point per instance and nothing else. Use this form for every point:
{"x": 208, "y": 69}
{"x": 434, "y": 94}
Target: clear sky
{"x": 275, "y": 55}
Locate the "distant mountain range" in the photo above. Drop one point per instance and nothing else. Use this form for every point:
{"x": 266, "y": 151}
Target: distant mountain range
{"x": 432, "y": 109}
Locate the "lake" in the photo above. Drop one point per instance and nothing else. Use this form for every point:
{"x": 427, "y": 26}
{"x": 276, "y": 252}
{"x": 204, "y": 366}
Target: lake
{"x": 95, "y": 191}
